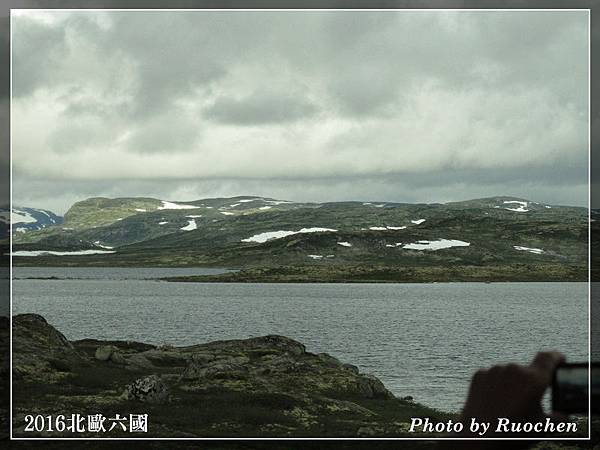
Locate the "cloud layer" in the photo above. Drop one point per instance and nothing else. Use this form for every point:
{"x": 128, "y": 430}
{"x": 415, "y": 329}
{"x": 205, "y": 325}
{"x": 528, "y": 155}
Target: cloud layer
{"x": 406, "y": 106}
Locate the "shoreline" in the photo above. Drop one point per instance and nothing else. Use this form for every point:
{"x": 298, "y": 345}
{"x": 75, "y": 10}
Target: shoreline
{"x": 517, "y": 273}
{"x": 387, "y": 274}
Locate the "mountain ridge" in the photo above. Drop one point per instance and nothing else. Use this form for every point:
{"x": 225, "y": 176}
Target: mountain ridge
{"x": 251, "y": 232}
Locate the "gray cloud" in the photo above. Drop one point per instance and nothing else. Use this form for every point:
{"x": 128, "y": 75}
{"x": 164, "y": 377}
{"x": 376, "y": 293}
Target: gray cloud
{"x": 165, "y": 134}
{"x": 35, "y": 47}
{"x": 458, "y": 103}
{"x": 260, "y": 108}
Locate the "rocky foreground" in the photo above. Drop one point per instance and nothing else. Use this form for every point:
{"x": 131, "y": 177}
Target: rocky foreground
{"x": 266, "y": 386}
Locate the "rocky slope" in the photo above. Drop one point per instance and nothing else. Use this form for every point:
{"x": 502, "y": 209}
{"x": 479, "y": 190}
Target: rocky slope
{"x": 264, "y": 386}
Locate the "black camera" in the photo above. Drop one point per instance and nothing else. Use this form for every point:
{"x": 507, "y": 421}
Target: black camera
{"x": 571, "y": 388}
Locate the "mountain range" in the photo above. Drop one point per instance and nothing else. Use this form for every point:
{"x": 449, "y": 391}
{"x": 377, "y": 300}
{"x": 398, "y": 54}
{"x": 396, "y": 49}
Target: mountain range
{"x": 26, "y": 219}
{"x": 493, "y": 237}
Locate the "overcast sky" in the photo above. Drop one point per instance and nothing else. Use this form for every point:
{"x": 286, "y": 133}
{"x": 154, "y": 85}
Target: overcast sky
{"x": 307, "y": 106}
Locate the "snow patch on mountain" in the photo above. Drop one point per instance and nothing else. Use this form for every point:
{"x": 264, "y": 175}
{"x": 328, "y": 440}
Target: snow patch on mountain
{"x": 98, "y": 244}
{"x": 436, "y": 245}
{"x": 171, "y": 205}
{"x": 278, "y": 202}
{"x": 17, "y": 216}
{"x": 521, "y": 208}
{"x": 269, "y": 235}
{"x": 537, "y": 251}
{"x": 56, "y": 253}
{"x": 191, "y": 226}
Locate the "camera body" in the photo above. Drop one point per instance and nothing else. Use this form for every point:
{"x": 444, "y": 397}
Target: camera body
{"x": 572, "y": 385}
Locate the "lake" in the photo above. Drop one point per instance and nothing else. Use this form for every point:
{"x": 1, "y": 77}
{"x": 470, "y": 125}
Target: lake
{"x": 422, "y": 340}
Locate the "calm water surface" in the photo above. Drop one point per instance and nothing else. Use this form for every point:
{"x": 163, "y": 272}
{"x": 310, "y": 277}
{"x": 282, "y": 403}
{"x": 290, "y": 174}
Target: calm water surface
{"x": 423, "y": 340}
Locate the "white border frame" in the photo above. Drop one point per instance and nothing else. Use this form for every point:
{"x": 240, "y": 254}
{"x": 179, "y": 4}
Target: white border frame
{"x": 429, "y": 438}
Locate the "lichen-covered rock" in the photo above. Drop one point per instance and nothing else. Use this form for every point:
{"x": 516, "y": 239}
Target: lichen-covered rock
{"x": 40, "y": 351}
{"x": 36, "y": 329}
{"x": 265, "y": 386}
{"x": 149, "y": 389}
{"x": 350, "y": 367}
{"x": 276, "y": 363}
{"x": 139, "y": 361}
{"x": 281, "y": 342}
{"x": 231, "y": 367}
{"x": 329, "y": 360}
{"x": 372, "y": 387}
{"x": 166, "y": 357}
{"x": 268, "y": 343}
{"x": 283, "y": 363}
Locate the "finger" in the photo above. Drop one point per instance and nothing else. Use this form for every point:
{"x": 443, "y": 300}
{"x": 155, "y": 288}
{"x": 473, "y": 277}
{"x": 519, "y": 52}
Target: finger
{"x": 546, "y": 363}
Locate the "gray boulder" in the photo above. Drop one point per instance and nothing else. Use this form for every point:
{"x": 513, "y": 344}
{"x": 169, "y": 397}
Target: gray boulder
{"x": 104, "y": 352}
{"x": 109, "y": 353}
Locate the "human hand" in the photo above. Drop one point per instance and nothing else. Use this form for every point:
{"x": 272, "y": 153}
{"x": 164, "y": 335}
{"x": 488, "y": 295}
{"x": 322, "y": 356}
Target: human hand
{"x": 511, "y": 391}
